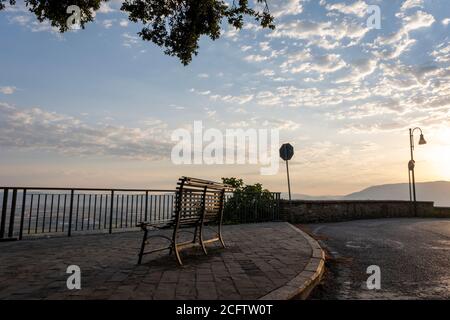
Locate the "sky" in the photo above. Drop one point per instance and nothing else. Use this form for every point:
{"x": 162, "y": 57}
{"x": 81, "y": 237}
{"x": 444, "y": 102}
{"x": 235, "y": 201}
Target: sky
{"x": 97, "y": 107}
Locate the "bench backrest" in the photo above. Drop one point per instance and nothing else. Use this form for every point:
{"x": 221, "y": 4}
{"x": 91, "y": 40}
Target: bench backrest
{"x": 199, "y": 199}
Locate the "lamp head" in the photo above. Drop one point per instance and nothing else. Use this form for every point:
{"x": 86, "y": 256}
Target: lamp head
{"x": 422, "y": 140}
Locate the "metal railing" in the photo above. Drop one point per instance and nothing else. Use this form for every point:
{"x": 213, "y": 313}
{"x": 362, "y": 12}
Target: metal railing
{"x": 31, "y": 211}
{"x": 27, "y": 212}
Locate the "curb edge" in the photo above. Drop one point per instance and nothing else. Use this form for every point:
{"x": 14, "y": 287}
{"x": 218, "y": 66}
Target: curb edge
{"x": 301, "y": 286}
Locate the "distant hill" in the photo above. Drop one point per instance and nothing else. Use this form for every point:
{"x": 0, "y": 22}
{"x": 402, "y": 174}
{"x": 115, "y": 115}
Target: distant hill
{"x": 437, "y": 191}
{"x": 299, "y": 196}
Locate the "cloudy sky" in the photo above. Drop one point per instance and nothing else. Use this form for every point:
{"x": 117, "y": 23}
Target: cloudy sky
{"x": 96, "y": 108}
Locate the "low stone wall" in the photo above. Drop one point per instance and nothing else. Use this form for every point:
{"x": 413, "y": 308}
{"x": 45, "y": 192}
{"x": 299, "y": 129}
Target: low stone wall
{"x": 442, "y": 212}
{"x": 302, "y": 211}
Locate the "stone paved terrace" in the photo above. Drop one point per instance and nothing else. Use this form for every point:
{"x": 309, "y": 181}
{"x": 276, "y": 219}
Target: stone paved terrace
{"x": 259, "y": 258}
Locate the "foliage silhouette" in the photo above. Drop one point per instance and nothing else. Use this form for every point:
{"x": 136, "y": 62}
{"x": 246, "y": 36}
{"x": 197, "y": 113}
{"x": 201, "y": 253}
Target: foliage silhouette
{"x": 249, "y": 203}
{"x": 174, "y": 25}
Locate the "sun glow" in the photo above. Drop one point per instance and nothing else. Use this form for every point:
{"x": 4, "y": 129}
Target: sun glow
{"x": 438, "y": 154}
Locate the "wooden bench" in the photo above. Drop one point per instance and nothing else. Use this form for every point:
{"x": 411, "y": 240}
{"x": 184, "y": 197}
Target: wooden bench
{"x": 198, "y": 203}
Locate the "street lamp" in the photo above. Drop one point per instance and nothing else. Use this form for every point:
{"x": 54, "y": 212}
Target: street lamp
{"x": 412, "y": 163}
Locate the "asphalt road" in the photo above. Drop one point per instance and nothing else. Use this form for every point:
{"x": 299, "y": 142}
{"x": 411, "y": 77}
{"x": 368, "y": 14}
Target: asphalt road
{"x": 413, "y": 256}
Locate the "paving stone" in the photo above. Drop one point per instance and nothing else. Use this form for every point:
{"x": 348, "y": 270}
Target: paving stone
{"x": 258, "y": 259}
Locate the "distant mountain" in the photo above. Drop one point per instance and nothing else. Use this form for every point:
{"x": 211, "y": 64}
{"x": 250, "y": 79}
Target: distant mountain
{"x": 437, "y": 191}
{"x": 299, "y": 196}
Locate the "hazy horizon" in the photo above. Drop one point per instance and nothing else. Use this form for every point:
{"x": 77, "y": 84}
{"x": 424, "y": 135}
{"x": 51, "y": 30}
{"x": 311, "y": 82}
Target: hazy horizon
{"x": 403, "y": 184}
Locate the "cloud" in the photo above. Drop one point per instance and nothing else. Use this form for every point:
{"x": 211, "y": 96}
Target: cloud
{"x": 29, "y": 21}
{"x": 320, "y": 158}
{"x": 360, "y": 69}
{"x": 404, "y": 94}
{"x": 256, "y": 58}
{"x": 264, "y": 46}
{"x": 381, "y": 126}
{"x": 8, "y": 90}
{"x": 325, "y": 62}
{"x": 327, "y": 35}
{"x": 108, "y": 23}
{"x": 262, "y": 122}
{"x": 44, "y": 27}
{"x": 241, "y": 99}
{"x": 37, "y": 129}
{"x": 123, "y": 23}
{"x": 130, "y": 40}
{"x": 396, "y": 44}
{"x": 211, "y": 114}
{"x": 295, "y": 97}
{"x": 281, "y": 8}
{"x": 269, "y": 99}
{"x": 357, "y": 8}
{"x": 409, "y": 4}
{"x": 18, "y": 7}
{"x": 442, "y": 53}
{"x": 22, "y": 20}
{"x": 266, "y": 73}
{"x": 305, "y": 62}
{"x": 297, "y": 57}
{"x": 230, "y": 33}
{"x": 105, "y": 8}
{"x": 405, "y": 77}
{"x": 418, "y": 20}
{"x": 369, "y": 109}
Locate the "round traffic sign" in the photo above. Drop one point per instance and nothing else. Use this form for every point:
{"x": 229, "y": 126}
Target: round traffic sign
{"x": 286, "y": 151}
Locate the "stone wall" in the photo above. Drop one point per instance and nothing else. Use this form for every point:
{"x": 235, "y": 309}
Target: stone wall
{"x": 442, "y": 212}
{"x": 302, "y": 211}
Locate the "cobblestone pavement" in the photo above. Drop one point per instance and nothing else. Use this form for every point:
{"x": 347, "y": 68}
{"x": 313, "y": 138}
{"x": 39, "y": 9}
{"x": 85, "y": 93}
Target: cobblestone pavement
{"x": 258, "y": 259}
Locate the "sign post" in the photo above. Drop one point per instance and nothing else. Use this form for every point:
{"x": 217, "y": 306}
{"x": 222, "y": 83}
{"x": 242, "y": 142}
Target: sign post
{"x": 286, "y": 153}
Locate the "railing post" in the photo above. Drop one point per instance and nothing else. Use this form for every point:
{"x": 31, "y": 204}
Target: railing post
{"x": 146, "y": 206}
{"x": 3, "y": 217}
{"x": 12, "y": 213}
{"x": 111, "y": 212}
{"x": 72, "y": 193}
{"x": 22, "y": 215}
{"x": 278, "y": 206}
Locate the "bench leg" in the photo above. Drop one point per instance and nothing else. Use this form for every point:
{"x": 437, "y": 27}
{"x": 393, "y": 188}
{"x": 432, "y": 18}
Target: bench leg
{"x": 177, "y": 254}
{"x": 201, "y": 239}
{"x": 195, "y": 234}
{"x": 144, "y": 241}
{"x": 174, "y": 247}
{"x": 220, "y": 236}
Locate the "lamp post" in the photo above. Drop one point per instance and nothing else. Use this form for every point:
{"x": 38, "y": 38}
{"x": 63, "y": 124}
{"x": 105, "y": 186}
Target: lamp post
{"x": 411, "y": 166}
